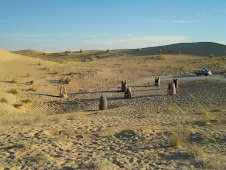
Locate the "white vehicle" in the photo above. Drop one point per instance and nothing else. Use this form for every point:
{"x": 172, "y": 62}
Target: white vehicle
{"x": 204, "y": 71}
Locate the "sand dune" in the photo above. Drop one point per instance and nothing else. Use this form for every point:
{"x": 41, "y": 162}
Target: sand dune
{"x": 199, "y": 49}
{"x": 152, "y": 130}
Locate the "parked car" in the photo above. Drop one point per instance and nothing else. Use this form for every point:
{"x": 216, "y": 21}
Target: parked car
{"x": 204, "y": 71}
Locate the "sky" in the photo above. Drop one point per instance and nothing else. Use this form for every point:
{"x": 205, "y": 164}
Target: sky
{"x": 60, "y": 25}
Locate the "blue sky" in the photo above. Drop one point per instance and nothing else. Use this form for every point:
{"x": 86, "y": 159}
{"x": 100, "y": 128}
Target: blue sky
{"x": 59, "y": 25}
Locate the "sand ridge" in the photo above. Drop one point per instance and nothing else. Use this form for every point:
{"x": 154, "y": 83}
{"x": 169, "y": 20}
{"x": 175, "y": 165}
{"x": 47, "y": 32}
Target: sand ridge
{"x": 71, "y": 133}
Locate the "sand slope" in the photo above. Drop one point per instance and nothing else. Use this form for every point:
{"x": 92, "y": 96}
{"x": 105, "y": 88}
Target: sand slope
{"x": 149, "y": 131}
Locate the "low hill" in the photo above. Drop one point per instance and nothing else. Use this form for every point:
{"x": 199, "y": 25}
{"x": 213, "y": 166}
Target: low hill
{"x": 199, "y": 49}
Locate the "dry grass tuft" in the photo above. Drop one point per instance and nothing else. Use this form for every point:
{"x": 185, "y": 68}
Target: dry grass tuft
{"x": 100, "y": 164}
{"x": 28, "y": 75}
{"x": 31, "y": 89}
{"x": 13, "y": 91}
{"x": 18, "y": 106}
{"x": 14, "y": 81}
{"x": 24, "y": 119}
{"x": 92, "y": 58}
{"x": 194, "y": 151}
{"x": 27, "y": 101}
{"x": 4, "y": 100}
{"x": 31, "y": 82}
{"x": 75, "y": 116}
{"x": 65, "y": 80}
{"x": 180, "y": 138}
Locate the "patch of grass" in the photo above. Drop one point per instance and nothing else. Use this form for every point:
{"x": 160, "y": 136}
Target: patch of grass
{"x": 39, "y": 63}
{"x": 74, "y": 116}
{"x": 28, "y": 75}
{"x": 14, "y": 81}
{"x": 24, "y": 119}
{"x": 180, "y": 138}
{"x": 194, "y": 151}
{"x": 18, "y": 106}
{"x": 92, "y": 58}
{"x": 84, "y": 60}
{"x": 67, "y": 80}
{"x": 71, "y": 73}
{"x": 36, "y": 56}
{"x": 116, "y": 53}
{"x": 4, "y": 100}
{"x": 160, "y": 57}
{"x": 211, "y": 56}
{"x": 144, "y": 112}
{"x": 13, "y": 91}
{"x": 31, "y": 89}
{"x": 61, "y": 61}
{"x": 31, "y": 82}
{"x": 172, "y": 108}
{"x": 208, "y": 117}
{"x": 56, "y": 72}
{"x": 27, "y": 101}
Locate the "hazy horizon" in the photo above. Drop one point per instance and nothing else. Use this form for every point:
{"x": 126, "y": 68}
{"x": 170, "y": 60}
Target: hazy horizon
{"x": 99, "y": 25}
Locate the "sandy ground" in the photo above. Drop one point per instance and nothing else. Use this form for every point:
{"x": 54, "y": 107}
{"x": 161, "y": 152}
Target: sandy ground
{"x": 152, "y": 130}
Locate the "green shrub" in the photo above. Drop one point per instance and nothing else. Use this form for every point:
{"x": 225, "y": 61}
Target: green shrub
{"x": 139, "y": 49}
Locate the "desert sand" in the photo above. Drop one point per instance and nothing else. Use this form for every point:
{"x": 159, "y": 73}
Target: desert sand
{"x": 151, "y": 130}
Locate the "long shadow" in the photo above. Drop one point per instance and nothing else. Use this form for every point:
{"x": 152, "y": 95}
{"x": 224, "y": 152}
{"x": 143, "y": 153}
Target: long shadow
{"x": 48, "y": 95}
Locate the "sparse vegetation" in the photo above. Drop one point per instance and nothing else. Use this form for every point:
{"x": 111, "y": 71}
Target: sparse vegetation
{"x": 139, "y": 49}
{"x": 27, "y": 101}
{"x": 28, "y": 75}
{"x": 13, "y": 91}
{"x": 180, "y": 138}
{"x": 92, "y": 58}
{"x": 4, "y": 100}
{"x": 31, "y": 82}
{"x": 56, "y": 72}
{"x": 84, "y": 60}
{"x": 65, "y": 80}
{"x": 31, "y": 89}
{"x": 39, "y": 63}
{"x": 14, "y": 81}
{"x": 71, "y": 73}
{"x": 212, "y": 56}
{"x": 18, "y": 106}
